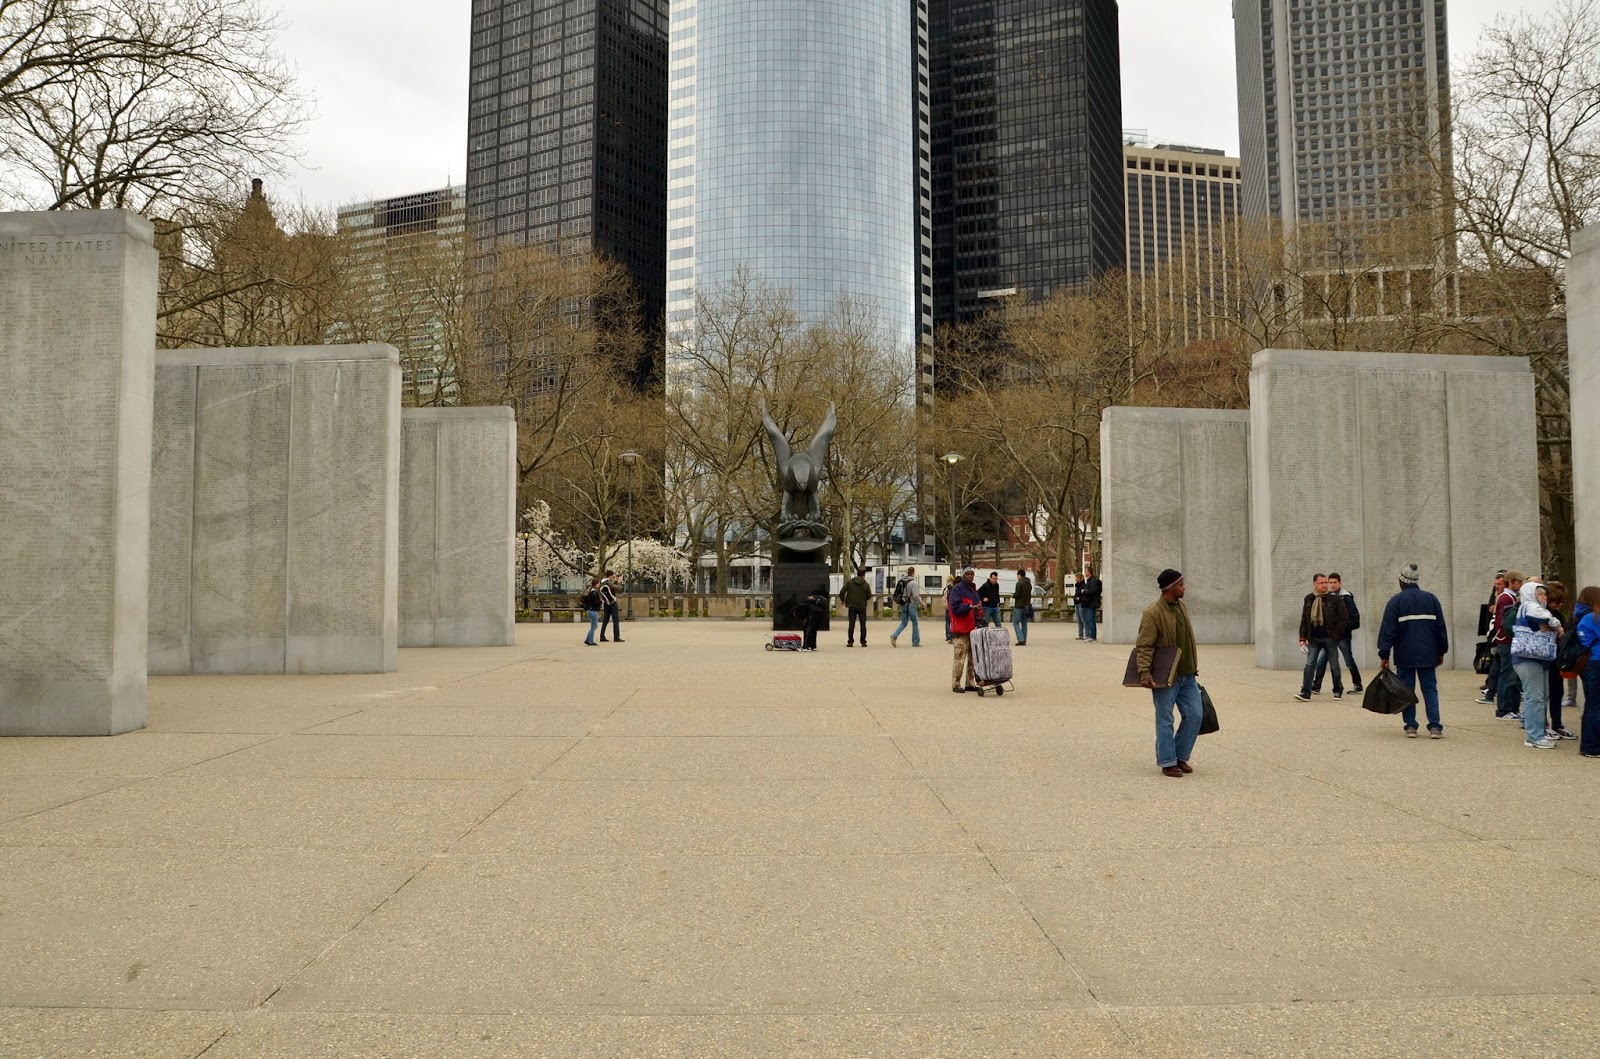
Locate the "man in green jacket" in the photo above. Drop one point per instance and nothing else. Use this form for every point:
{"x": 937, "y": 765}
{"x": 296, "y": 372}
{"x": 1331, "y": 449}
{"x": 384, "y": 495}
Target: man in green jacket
{"x": 857, "y": 597}
{"x": 1165, "y": 623}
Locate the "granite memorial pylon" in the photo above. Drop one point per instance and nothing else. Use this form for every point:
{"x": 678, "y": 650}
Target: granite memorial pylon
{"x": 77, "y": 347}
{"x": 458, "y": 516}
{"x": 275, "y": 510}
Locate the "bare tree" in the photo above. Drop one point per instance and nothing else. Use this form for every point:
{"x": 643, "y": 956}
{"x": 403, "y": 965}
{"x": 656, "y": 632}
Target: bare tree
{"x": 140, "y": 104}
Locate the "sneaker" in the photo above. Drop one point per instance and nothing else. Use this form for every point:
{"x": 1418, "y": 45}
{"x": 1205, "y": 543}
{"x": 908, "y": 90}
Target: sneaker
{"x": 1435, "y": 733}
{"x": 1302, "y": 697}
{"x": 1316, "y": 691}
{"x": 1411, "y": 733}
{"x": 1338, "y": 694}
{"x": 1355, "y": 689}
{"x": 1566, "y": 702}
{"x": 959, "y": 691}
{"x": 1561, "y": 733}
{"x": 1509, "y": 717}
{"x": 1484, "y": 700}
{"x": 1539, "y": 744}
{"x": 894, "y": 641}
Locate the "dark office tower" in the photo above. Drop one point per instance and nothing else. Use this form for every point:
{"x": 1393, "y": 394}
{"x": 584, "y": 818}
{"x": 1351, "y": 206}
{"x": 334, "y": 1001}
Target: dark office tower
{"x": 567, "y": 133}
{"x": 1027, "y": 149}
{"x": 1316, "y": 79}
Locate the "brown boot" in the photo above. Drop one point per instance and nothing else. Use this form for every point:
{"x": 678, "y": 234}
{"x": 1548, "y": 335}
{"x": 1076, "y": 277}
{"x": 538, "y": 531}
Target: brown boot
{"x": 1184, "y": 766}
{"x": 1174, "y": 771}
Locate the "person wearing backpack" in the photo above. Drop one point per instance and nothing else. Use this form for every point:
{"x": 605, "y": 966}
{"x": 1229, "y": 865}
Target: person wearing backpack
{"x": 1414, "y": 629}
{"x": 1556, "y": 594}
{"x": 1531, "y": 636}
{"x": 909, "y": 600}
{"x": 591, "y": 602}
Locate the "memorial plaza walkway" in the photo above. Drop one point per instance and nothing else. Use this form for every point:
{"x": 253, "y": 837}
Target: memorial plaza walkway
{"x": 685, "y": 846}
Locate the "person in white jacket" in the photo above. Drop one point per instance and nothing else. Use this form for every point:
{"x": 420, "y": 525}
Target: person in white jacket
{"x": 1534, "y": 673}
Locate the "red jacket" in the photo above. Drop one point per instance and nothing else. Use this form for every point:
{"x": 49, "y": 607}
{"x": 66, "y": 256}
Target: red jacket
{"x": 1502, "y": 623}
{"x": 964, "y": 603}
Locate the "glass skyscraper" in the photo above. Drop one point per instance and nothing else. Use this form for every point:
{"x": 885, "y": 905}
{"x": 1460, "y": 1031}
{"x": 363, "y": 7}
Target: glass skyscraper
{"x": 797, "y": 150}
{"x": 1027, "y": 149}
{"x": 566, "y": 138}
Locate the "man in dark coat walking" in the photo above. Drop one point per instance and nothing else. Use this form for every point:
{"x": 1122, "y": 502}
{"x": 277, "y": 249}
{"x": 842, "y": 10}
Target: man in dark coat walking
{"x": 1414, "y": 630}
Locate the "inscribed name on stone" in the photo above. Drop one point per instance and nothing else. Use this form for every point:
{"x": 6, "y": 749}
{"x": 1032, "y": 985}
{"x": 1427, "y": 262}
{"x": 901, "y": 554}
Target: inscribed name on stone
{"x": 77, "y": 340}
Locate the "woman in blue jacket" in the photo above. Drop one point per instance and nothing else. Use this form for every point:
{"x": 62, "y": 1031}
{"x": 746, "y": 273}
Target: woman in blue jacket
{"x": 1589, "y": 635}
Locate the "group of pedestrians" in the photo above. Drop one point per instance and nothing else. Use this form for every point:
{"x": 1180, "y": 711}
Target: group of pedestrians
{"x": 1533, "y": 641}
{"x": 600, "y": 605}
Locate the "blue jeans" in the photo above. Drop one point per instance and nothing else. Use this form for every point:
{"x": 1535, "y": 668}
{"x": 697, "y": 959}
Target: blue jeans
{"x": 947, "y": 636}
{"x": 1019, "y": 623}
{"x": 1535, "y": 677}
{"x": 1319, "y": 650}
{"x": 1343, "y": 647}
{"x": 594, "y": 623}
{"x": 1077, "y": 612}
{"x": 1589, "y": 729}
{"x": 1185, "y": 694}
{"x": 1508, "y": 693}
{"x": 1087, "y": 620}
{"x": 991, "y": 615}
{"x": 1429, "y": 676}
{"x": 857, "y": 614}
{"x": 612, "y": 616}
{"x": 908, "y": 615}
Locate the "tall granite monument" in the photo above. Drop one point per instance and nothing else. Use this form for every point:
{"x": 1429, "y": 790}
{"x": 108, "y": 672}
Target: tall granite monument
{"x": 799, "y": 565}
{"x": 275, "y": 510}
{"x": 1583, "y": 376}
{"x": 77, "y": 345}
{"x": 1362, "y": 462}
{"x": 458, "y": 527}
{"x": 1175, "y": 492}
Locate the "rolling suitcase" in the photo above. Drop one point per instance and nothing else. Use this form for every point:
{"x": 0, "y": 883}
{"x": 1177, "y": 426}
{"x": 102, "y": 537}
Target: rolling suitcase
{"x": 991, "y": 658}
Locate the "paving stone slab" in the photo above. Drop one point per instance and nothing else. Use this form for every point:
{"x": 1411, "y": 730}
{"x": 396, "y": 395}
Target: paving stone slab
{"x": 693, "y": 935}
{"x": 37, "y": 1034}
{"x": 197, "y": 930}
{"x": 733, "y": 757}
{"x": 255, "y": 813}
{"x": 1231, "y": 925}
{"x": 392, "y": 757}
{"x": 734, "y": 817}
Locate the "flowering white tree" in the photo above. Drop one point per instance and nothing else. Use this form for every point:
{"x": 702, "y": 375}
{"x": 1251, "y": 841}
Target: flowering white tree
{"x": 544, "y": 552}
{"x": 652, "y": 561}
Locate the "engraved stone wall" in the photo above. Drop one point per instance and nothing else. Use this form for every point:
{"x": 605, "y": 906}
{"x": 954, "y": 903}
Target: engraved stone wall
{"x": 1175, "y": 493}
{"x": 1583, "y": 373}
{"x": 458, "y": 527}
{"x": 77, "y": 340}
{"x": 1363, "y": 462}
{"x": 289, "y": 564}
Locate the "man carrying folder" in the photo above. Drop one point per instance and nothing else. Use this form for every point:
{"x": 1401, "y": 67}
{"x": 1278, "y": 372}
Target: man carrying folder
{"x": 1167, "y": 664}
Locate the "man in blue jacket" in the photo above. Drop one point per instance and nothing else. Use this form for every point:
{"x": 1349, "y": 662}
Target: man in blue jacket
{"x": 1414, "y": 629}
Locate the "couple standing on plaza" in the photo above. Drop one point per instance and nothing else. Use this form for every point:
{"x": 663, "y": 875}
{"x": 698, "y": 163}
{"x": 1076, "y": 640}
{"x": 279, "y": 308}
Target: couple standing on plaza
{"x": 600, "y": 603}
{"x": 1328, "y": 619}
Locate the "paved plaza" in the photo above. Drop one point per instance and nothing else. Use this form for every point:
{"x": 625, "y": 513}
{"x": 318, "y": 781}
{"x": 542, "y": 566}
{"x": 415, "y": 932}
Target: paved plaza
{"x": 686, "y": 846}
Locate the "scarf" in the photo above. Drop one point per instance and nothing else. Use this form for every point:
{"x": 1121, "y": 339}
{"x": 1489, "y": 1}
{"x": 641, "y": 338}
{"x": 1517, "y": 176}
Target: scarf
{"x": 1316, "y": 610}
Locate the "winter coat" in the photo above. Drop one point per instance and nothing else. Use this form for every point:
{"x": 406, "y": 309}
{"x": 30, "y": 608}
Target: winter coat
{"x": 1413, "y": 629}
{"x": 1335, "y": 618}
{"x": 856, "y": 594}
{"x": 964, "y": 604}
{"x": 1024, "y": 593}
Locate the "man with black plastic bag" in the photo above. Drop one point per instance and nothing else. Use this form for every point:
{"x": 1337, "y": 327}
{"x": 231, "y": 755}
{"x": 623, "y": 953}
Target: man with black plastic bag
{"x": 1414, "y": 630}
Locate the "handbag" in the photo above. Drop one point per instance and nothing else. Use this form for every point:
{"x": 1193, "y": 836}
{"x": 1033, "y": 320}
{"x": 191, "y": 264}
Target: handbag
{"x": 1482, "y": 658}
{"x": 1533, "y": 645}
{"x": 1208, "y": 713}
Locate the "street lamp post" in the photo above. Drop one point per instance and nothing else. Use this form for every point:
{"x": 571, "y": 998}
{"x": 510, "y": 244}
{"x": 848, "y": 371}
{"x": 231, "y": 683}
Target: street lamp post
{"x": 952, "y": 458}
{"x": 631, "y": 458}
{"x": 525, "y": 535}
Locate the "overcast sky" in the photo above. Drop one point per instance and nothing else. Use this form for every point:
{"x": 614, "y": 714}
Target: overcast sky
{"x": 390, "y": 84}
